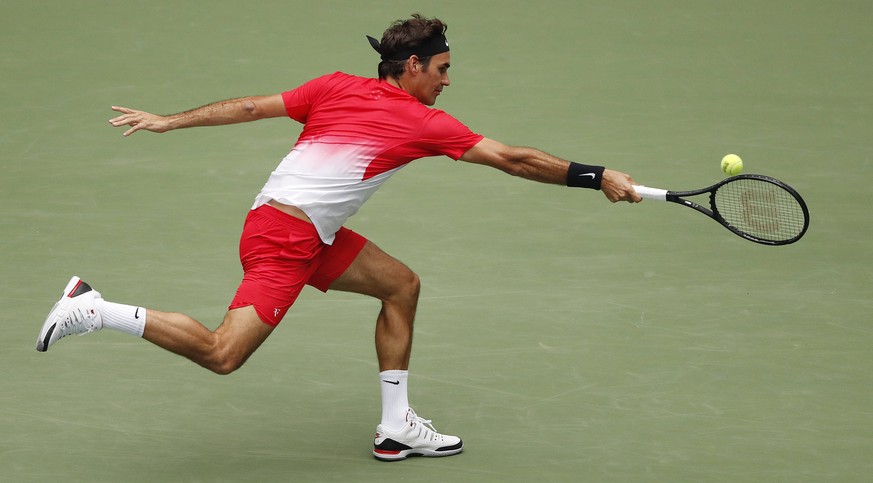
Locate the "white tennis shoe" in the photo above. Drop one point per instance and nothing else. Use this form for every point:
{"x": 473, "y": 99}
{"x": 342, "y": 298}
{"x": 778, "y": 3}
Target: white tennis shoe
{"x": 417, "y": 438}
{"x": 74, "y": 313}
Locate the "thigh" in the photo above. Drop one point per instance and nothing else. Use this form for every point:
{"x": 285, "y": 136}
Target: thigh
{"x": 279, "y": 254}
{"x": 336, "y": 258}
{"x": 374, "y": 273}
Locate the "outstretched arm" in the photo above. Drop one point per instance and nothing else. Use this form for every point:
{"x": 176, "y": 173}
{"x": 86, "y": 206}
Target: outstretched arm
{"x": 231, "y": 111}
{"x": 536, "y": 165}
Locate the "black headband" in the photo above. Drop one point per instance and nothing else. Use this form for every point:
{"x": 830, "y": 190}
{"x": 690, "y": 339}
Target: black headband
{"x": 432, "y": 46}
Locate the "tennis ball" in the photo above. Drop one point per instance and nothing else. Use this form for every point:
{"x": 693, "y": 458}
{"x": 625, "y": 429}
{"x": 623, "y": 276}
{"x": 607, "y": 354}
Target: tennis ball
{"x": 732, "y": 165}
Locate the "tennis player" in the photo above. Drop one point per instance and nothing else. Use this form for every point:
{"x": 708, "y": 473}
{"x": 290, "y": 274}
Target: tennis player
{"x": 357, "y": 132}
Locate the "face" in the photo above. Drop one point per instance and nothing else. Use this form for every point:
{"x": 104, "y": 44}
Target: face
{"x": 427, "y": 84}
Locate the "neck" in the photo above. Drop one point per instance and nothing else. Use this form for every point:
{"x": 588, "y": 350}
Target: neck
{"x": 398, "y": 83}
{"x": 394, "y": 82}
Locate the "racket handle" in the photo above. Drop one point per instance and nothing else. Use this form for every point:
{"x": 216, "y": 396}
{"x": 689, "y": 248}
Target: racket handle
{"x": 651, "y": 193}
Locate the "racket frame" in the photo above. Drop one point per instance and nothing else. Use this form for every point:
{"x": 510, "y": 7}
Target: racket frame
{"x": 712, "y": 211}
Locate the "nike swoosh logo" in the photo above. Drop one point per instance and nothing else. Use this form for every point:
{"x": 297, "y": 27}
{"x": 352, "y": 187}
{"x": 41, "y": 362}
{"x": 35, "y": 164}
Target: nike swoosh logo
{"x": 136, "y": 314}
{"x": 589, "y": 174}
{"x": 391, "y": 382}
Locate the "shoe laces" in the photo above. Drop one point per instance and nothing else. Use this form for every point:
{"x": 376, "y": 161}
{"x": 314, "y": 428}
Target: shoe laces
{"x": 79, "y": 321}
{"x": 415, "y": 419}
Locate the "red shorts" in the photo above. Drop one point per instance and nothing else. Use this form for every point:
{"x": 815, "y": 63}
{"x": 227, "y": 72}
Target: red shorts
{"x": 280, "y": 254}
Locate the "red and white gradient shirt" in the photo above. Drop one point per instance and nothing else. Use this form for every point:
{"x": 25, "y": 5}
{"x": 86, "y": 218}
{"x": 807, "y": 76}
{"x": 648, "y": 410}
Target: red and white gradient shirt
{"x": 357, "y": 133}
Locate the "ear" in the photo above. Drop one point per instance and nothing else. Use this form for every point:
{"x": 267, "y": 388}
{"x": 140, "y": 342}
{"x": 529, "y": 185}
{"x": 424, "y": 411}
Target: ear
{"x": 413, "y": 64}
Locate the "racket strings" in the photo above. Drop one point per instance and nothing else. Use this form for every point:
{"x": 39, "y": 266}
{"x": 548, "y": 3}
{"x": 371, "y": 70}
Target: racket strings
{"x": 761, "y": 209}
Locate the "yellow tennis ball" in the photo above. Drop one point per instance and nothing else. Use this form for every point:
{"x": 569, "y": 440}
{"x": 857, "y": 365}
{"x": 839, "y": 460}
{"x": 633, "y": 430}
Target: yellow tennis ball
{"x": 732, "y": 165}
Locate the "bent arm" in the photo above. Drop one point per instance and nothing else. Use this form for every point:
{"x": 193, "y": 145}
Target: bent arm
{"x": 231, "y": 111}
{"x": 536, "y": 165}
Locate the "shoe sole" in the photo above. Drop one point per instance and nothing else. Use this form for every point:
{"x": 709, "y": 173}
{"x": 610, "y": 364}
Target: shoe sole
{"x": 398, "y": 455}
{"x": 74, "y": 288}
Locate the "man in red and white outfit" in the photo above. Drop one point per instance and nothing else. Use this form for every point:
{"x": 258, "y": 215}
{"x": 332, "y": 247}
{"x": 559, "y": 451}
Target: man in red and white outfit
{"x": 357, "y": 133}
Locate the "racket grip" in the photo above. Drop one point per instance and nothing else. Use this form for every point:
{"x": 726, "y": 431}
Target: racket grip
{"x": 651, "y": 193}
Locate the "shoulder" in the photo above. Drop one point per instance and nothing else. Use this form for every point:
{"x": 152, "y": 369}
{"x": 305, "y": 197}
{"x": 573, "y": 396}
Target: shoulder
{"x": 336, "y": 79}
{"x": 341, "y": 78}
{"x": 327, "y": 86}
{"x": 440, "y": 120}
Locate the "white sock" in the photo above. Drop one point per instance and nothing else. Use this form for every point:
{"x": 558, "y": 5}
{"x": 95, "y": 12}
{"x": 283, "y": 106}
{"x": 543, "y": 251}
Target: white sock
{"x": 126, "y": 318}
{"x": 395, "y": 401}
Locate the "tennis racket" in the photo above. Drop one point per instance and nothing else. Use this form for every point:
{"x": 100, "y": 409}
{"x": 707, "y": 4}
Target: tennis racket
{"x": 756, "y": 207}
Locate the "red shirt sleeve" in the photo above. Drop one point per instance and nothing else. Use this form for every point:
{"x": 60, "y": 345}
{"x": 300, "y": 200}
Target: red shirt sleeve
{"x": 299, "y": 101}
{"x": 448, "y": 136}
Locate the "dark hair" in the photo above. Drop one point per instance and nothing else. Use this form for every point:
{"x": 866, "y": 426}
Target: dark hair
{"x": 406, "y": 35}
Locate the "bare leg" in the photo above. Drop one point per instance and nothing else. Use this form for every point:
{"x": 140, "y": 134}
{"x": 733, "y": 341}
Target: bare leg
{"x": 222, "y": 351}
{"x": 377, "y": 274}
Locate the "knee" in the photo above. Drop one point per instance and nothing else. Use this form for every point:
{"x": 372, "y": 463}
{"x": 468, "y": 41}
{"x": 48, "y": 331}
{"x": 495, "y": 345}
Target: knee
{"x": 223, "y": 360}
{"x": 410, "y": 286}
{"x": 224, "y": 368}
{"x": 403, "y": 289}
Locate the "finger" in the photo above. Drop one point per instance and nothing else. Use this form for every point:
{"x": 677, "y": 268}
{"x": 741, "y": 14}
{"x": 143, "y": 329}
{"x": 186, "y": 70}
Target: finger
{"x": 135, "y": 128}
{"x": 123, "y": 119}
{"x": 126, "y": 113}
{"x": 630, "y": 194}
{"x": 129, "y": 119}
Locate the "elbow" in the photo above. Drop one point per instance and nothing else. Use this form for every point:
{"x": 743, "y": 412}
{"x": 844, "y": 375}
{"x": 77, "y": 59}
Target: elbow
{"x": 250, "y": 108}
{"x": 517, "y": 171}
{"x": 261, "y": 107}
{"x": 514, "y": 162}
{"x": 514, "y": 168}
